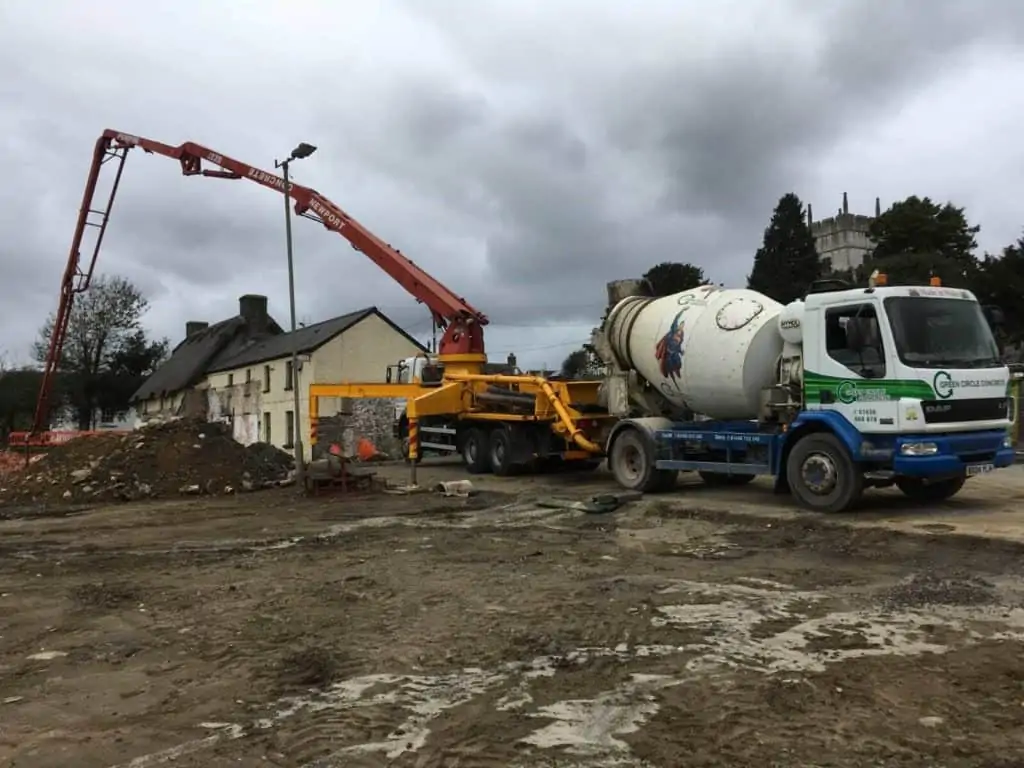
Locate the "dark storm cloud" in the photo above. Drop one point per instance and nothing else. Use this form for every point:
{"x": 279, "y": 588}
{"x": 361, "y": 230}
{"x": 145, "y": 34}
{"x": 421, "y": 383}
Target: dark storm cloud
{"x": 738, "y": 133}
{"x": 524, "y": 153}
{"x": 719, "y": 137}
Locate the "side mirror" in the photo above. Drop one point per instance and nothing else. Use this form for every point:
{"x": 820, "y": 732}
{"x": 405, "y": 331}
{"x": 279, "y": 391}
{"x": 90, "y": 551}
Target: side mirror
{"x": 994, "y": 315}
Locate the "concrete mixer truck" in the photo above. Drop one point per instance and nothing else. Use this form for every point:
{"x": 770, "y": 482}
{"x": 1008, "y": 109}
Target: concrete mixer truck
{"x": 847, "y": 389}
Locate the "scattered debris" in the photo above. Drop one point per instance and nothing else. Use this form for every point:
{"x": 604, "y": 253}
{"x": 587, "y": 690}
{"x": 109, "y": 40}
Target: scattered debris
{"x": 179, "y": 457}
{"x": 460, "y": 488}
{"x": 404, "y": 490}
{"x": 595, "y": 505}
{"x": 932, "y": 589}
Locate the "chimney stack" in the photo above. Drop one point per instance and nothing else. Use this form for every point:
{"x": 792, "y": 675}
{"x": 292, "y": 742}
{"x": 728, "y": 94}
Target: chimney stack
{"x": 846, "y": 204}
{"x": 192, "y": 327}
{"x": 253, "y": 309}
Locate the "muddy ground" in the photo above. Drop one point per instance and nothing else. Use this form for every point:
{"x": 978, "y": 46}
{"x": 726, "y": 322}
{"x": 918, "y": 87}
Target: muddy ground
{"x": 709, "y": 628}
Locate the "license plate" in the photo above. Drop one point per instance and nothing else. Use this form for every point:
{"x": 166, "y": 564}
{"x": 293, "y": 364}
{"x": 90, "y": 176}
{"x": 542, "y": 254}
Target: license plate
{"x": 979, "y": 469}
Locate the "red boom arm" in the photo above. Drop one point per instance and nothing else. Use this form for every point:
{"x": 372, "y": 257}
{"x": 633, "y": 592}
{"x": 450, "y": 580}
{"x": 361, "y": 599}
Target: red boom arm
{"x": 463, "y": 323}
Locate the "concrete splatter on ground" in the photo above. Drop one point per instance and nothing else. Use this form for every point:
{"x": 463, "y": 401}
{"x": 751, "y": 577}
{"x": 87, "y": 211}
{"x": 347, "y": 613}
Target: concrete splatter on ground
{"x": 412, "y": 631}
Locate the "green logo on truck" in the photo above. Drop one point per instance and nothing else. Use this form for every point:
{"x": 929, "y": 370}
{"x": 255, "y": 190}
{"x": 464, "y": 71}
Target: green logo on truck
{"x": 943, "y": 385}
{"x": 848, "y": 391}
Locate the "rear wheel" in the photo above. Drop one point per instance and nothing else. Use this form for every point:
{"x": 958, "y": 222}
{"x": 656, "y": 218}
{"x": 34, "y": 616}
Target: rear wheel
{"x": 475, "y": 453}
{"x": 715, "y": 479}
{"x": 501, "y": 453}
{"x": 822, "y": 475}
{"x": 918, "y": 490}
{"x": 632, "y": 463}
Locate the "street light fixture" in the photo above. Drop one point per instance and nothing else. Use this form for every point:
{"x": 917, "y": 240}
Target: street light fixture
{"x": 303, "y": 150}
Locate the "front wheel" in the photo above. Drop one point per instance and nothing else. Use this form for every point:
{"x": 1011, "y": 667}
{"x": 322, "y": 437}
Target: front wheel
{"x": 632, "y": 463}
{"x": 822, "y": 475}
{"x": 918, "y": 490}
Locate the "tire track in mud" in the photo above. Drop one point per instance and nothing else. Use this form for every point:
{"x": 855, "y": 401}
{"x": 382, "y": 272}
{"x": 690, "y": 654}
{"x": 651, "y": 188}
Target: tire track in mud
{"x": 492, "y": 715}
{"x": 577, "y": 703}
{"x": 509, "y": 515}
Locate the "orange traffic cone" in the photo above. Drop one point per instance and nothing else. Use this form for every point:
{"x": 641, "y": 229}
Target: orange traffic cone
{"x": 366, "y": 450}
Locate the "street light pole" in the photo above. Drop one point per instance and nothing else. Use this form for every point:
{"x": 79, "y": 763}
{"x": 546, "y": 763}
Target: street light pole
{"x": 301, "y": 151}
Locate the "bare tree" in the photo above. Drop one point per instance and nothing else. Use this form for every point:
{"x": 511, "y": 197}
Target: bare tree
{"x": 105, "y": 321}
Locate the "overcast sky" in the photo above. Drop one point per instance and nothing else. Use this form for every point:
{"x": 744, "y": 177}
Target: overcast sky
{"x": 523, "y": 152}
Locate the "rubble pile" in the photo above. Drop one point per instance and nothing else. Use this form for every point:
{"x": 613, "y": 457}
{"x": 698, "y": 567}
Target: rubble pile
{"x": 178, "y": 457}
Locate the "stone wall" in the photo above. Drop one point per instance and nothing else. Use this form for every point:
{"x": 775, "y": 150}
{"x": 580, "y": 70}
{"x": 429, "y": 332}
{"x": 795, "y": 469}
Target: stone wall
{"x": 372, "y": 419}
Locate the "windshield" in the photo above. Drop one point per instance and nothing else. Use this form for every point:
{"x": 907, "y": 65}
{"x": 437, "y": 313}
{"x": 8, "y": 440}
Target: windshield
{"x": 941, "y": 333}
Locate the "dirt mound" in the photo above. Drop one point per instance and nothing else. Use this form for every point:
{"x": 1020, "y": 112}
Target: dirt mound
{"x": 179, "y": 457}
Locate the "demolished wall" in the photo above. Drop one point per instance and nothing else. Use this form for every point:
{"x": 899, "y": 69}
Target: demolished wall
{"x": 370, "y": 419}
{"x": 239, "y": 405}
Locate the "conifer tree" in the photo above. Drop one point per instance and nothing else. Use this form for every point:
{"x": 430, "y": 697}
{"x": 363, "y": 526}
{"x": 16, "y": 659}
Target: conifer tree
{"x": 787, "y": 262}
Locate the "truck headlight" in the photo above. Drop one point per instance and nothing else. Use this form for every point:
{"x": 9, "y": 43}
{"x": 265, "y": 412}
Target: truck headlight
{"x": 1007, "y": 442}
{"x": 919, "y": 449}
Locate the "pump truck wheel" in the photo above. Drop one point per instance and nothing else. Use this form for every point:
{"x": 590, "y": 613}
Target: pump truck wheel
{"x": 476, "y": 453}
{"x": 918, "y": 490}
{"x": 500, "y": 452}
{"x": 822, "y": 475}
{"x": 632, "y": 463}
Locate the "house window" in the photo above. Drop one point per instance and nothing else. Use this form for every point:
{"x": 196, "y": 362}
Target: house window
{"x": 108, "y": 415}
{"x": 266, "y": 426}
{"x": 248, "y": 375}
{"x": 266, "y": 380}
{"x": 231, "y": 379}
{"x": 289, "y": 429}
{"x": 289, "y": 374}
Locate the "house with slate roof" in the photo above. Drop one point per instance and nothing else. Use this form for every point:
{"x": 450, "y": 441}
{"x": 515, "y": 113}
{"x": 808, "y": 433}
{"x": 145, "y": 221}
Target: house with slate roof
{"x": 240, "y": 370}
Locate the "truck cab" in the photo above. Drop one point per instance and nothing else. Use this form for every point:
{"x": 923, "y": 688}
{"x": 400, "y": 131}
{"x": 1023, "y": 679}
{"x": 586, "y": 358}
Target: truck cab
{"x": 901, "y": 359}
{"x": 908, "y": 378}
